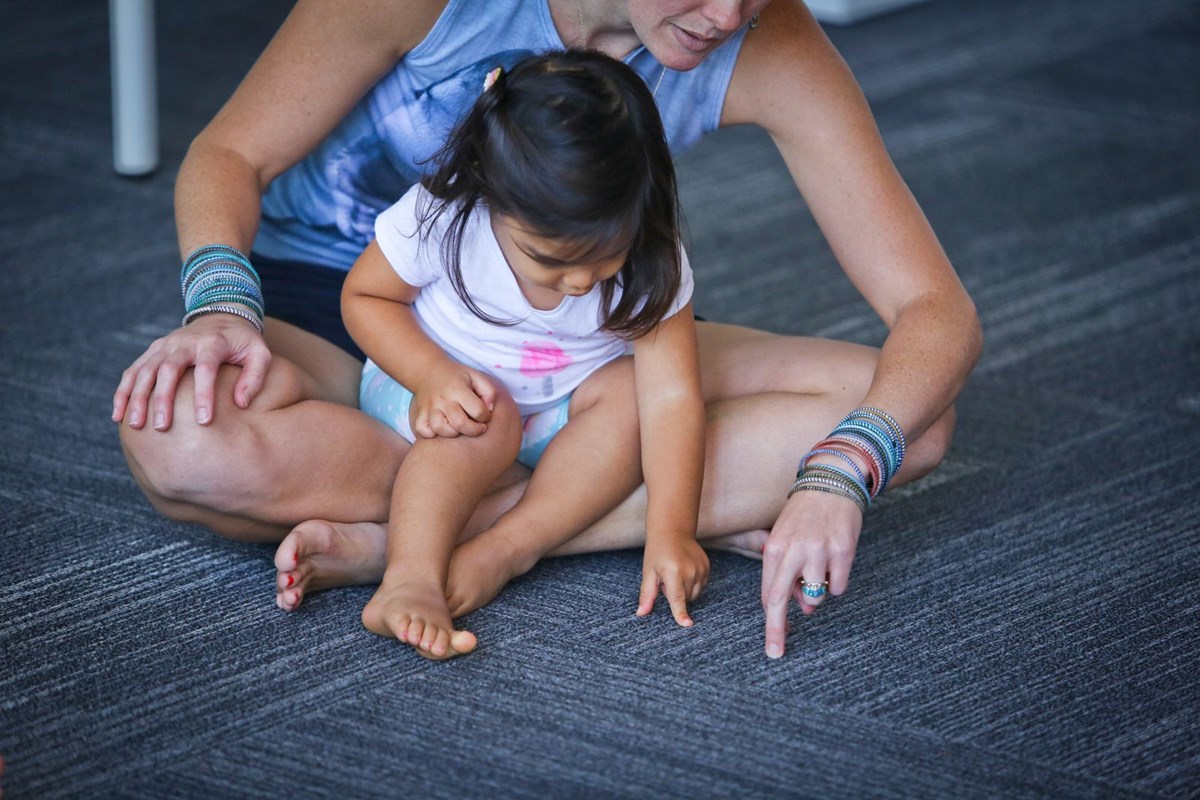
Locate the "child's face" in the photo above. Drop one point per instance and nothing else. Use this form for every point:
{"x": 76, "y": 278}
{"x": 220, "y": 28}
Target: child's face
{"x": 534, "y": 261}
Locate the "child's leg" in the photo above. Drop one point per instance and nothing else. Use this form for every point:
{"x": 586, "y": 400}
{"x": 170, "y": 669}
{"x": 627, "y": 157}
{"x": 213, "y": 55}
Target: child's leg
{"x": 589, "y": 467}
{"x": 436, "y": 490}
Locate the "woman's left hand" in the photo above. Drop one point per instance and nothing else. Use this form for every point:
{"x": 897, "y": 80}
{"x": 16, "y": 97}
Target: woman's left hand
{"x": 813, "y": 543}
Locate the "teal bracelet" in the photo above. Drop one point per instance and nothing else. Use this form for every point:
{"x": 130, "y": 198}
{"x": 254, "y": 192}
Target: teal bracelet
{"x": 218, "y": 274}
{"x": 211, "y": 290}
{"x": 829, "y": 451}
{"x": 878, "y": 437}
{"x": 202, "y": 268}
{"x": 214, "y": 276}
{"x": 878, "y": 415}
{"x": 214, "y": 251}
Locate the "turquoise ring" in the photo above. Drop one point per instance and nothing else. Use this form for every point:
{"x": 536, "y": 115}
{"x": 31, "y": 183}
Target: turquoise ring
{"x": 814, "y": 590}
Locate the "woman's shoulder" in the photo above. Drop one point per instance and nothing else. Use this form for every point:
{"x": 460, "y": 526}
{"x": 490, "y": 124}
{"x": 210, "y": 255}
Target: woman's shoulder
{"x": 781, "y": 60}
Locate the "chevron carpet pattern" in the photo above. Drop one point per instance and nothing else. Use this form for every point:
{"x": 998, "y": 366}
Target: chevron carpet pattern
{"x": 1025, "y": 623}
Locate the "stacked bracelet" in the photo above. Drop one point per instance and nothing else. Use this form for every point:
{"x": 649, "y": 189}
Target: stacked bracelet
{"x": 883, "y": 433}
{"x": 223, "y": 308}
{"x": 218, "y": 278}
{"x": 826, "y": 476}
{"x": 872, "y": 435}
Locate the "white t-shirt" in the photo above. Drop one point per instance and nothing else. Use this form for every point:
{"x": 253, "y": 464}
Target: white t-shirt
{"x": 541, "y": 359}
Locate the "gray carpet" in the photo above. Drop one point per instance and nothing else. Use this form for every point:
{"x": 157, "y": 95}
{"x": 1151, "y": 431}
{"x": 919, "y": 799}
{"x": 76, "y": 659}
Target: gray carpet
{"x": 1024, "y": 623}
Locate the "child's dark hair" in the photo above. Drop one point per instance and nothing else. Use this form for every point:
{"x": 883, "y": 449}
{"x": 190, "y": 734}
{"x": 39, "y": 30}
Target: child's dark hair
{"x": 570, "y": 144}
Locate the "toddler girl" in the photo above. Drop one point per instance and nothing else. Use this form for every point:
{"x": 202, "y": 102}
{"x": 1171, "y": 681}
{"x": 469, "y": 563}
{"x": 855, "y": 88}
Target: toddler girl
{"x": 530, "y": 301}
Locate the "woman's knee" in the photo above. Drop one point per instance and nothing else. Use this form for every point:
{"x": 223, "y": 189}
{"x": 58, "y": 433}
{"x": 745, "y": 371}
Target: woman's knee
{"x": 927, "y": 453}
{"x": 200, "y": 464}
{"x": 737, "y": 362}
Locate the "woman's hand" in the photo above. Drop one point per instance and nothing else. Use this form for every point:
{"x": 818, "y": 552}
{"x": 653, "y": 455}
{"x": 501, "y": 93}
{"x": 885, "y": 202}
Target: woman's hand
{"x": 456, "y": 401}
{"x": 680, "y": 567}
{"x": 204, "y": 345}
{"x": 813, "y": 542}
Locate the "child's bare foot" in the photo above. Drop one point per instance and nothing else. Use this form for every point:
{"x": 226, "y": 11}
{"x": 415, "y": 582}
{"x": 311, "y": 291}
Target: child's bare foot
{"x": 416, "y": 614}
{"x": 322, "y": 555}
{"x": 478, "y": 572}
{"x": 747, "y": 543}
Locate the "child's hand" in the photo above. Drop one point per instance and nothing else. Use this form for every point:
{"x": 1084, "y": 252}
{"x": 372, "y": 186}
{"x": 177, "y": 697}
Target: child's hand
{"x": 456, "y": 402}
{"x": 680, "y": 567}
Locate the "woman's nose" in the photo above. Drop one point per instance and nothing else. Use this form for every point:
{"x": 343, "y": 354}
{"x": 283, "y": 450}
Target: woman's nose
{"x": 725, "y": 15}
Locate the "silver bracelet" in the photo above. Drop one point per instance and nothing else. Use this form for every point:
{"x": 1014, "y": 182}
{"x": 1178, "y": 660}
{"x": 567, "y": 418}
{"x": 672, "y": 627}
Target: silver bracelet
{"x": 224, "y": 308}
{"x": 816, "y": 485}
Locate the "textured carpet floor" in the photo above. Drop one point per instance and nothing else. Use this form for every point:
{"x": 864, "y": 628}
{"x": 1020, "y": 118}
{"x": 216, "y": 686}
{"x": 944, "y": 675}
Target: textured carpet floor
{"x": 1024, "y": 623}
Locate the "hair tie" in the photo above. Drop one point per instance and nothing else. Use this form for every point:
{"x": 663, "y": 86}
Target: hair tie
{"x": 490, "y": 79}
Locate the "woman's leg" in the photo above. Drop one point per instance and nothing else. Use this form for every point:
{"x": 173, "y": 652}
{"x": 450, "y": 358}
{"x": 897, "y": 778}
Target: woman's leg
{"x": 769, "y": 399}
{"x": 301, "y": 450}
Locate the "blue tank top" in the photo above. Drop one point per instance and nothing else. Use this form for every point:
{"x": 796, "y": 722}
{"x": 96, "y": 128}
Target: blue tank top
{"x": 322, "y": 210}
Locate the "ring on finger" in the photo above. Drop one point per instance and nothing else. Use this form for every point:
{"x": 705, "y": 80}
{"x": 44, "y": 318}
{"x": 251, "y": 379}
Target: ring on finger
{"x": 814, "y": 590}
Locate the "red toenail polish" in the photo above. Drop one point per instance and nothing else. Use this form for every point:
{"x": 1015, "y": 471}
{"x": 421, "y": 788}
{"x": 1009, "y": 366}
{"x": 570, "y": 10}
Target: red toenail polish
{"x": 291, "y": 580}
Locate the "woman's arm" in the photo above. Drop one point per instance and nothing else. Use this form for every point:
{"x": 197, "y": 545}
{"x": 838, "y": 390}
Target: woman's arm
{"x": 323, "y": 59}
{"x": 448, "y": 398}
{"x": 671, "y": 420}
{"x": 791, "y": 81}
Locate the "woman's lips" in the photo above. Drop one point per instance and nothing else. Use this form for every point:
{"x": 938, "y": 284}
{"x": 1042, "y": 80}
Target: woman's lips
{"x": 692, "y": 42}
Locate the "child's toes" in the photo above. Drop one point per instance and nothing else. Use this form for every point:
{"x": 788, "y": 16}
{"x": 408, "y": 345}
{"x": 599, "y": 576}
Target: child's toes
{"x": 441, "y": 643}
{"x": 462, "y": 642}
{"x": 413, "y": 632}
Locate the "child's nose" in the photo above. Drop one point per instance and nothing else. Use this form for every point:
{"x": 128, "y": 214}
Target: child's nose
{"x": 579, "y": 284}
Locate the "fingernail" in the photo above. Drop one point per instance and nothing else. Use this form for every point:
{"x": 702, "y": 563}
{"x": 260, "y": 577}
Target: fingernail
{"x": 159, "y": 420}
{"x": 202, "y": 415}
{"x": 291, "y": 580}
{"x": 134, "y": 419}
{"x": 774, "y": 651}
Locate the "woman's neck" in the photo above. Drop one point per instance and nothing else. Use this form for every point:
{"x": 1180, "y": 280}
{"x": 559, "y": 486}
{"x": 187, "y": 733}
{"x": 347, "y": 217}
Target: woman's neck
{"x": 602, "y": 25}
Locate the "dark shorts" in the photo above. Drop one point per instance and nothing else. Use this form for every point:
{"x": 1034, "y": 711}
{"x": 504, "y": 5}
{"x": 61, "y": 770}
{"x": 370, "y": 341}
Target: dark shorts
{"x": 308, "y": 296}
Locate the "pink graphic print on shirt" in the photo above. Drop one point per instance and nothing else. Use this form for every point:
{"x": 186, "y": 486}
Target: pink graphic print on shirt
{"x": 543, "y": 360}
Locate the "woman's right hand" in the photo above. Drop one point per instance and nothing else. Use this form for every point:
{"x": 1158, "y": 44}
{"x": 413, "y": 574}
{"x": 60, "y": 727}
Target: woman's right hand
{"x": 149, "y": 384}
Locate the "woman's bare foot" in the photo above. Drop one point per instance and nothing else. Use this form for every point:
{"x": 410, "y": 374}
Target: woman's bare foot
{"x": 748, "y": 543}
{"x": 322, "y": 555}
{"x": 416, "y": 614}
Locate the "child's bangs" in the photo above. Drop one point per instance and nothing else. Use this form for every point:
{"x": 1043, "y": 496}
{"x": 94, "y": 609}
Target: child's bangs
{"x": 594, "y": 242}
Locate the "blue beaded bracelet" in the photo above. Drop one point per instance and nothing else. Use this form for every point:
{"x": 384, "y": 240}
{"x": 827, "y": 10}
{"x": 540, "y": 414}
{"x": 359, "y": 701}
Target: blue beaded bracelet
{"x": 217, "y": 278}
{"x": 829, "y": 451}
{"x": 879, "y": 437}
{"x": 894, "y": 430}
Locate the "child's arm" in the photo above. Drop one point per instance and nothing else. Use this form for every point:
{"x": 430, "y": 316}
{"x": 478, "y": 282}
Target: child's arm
{"x": 671, "y": 417}
{"x": 448, "y": 398}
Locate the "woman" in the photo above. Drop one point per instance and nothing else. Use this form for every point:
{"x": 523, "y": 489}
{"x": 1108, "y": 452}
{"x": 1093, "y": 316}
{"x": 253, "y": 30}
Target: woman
{"x": 251, "y": 434}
